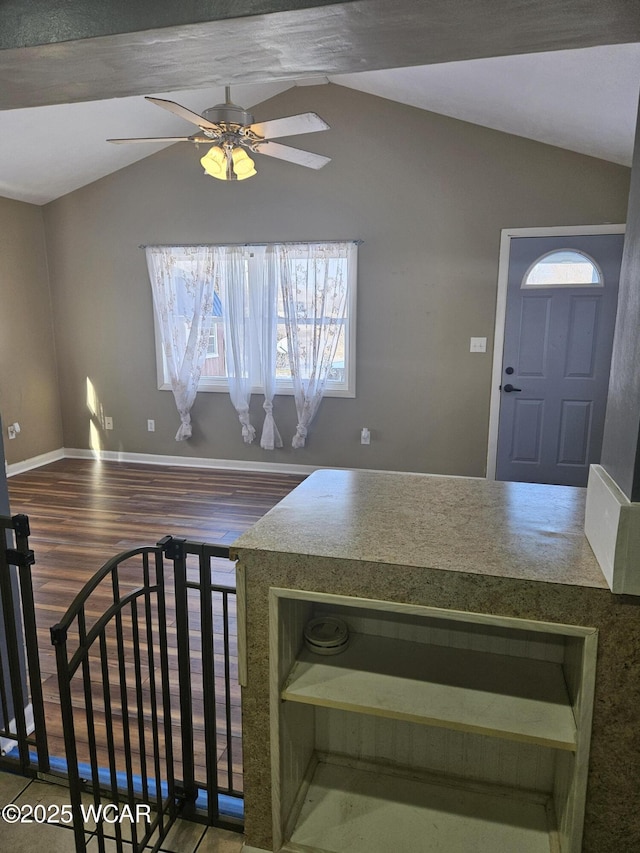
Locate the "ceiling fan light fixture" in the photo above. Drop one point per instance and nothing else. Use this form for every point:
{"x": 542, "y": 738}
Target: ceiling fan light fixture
{"x": 228, "y": 164}
{"x": 214, "y": 163}
{"x": 243, "y": 166}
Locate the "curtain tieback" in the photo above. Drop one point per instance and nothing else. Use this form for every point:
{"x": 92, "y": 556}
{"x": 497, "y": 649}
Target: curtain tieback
{"x": 248, "y": 431}
{"x": 184, "y": 431}
{"x": 270, "y": 436}
{"x": 300, "y": 437}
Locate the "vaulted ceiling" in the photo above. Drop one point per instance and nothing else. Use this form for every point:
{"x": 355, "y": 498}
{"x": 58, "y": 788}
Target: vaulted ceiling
{"x": 73, "y": 73}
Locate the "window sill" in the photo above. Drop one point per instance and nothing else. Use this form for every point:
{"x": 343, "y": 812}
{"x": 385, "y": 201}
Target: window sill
{"x": 348, "y": 393}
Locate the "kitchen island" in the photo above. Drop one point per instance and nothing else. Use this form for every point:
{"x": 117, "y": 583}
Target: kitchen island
{"x": 485, "y": 642}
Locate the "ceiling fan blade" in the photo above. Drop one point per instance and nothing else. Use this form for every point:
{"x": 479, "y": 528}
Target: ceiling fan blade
{"x": 293, "y": 155}
{"x": 183, "y": 112}
{"x": 155, "y": 139}
{"x": 290, "y": 126}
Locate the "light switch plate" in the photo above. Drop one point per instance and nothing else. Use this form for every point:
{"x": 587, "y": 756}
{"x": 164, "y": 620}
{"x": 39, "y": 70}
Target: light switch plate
{"x": 478, "y": 345}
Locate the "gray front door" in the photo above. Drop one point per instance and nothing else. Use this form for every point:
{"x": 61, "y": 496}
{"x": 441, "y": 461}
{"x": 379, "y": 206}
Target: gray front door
{"x": 561, "y": 307}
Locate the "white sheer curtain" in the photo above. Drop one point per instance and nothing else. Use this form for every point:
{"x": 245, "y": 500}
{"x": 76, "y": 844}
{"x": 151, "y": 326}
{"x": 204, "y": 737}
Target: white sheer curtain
{"x": 315, "y": 289}
{"x": 182, "y": 282}
{"x": 263, "y": 287}
{"x": 238, "y": 332}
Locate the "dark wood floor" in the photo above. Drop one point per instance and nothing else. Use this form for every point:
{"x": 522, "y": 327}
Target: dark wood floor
{"x": 83, "y": 512}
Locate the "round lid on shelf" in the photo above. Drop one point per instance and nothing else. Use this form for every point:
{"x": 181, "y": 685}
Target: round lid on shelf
{"x": 326, "y": 635}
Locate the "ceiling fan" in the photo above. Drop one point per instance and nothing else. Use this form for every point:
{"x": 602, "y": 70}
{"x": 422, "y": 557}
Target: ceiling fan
{"x": 234, "y": 134}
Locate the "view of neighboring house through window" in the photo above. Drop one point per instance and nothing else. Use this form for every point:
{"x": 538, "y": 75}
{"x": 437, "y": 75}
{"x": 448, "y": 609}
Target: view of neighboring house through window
{"x": 214, "y": 363}
{"x": 313, "y": 305}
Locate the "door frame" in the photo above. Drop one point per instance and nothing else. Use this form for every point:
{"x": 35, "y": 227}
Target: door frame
{"x": 506, "y": 235}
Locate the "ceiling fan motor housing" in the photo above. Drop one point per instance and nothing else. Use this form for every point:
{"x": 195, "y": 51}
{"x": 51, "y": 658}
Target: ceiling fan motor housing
{"x": 228, "y": 114}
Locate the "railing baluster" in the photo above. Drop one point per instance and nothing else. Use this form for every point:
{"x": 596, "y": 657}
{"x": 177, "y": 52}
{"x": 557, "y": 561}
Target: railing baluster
{"x": 108, "y": 716}
{"x": 4, "y": 704}
{"x": 142, "y": 750}
{"x": 227, "y": 693}
{"x": 175, "y": 550}
{"x": 153, "y": 697}
{"x": 165, "y": 691}
{"x": 89, "y": 709}
{"x": 14, "y": 651}
{"x": 59, "y": 640}
{"x": 208, "y": 683}
{"x": 25, "y": 561}
{"x": 124, "y": 706}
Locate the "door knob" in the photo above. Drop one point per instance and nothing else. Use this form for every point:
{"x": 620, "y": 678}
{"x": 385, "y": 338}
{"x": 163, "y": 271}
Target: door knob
{"x": 509, "y": 388}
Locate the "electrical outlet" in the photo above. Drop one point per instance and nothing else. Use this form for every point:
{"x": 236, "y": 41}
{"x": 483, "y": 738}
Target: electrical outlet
{"x": 365, "y": 436}
{"x": 478, "y": 345}
{"x": 11, "y": 430}
{"x": 151, "y": 425}
{"x": 108, "y": 423}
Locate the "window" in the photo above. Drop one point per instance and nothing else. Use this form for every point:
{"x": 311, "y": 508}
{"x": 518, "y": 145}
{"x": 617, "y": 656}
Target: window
{"x": 313, "y": 309}
{"x": 214, "y": 361}
{"x": 566, "y": 268}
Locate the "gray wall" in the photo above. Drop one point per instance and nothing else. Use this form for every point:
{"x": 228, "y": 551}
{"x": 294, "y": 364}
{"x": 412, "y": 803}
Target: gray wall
{"x": 28, "y": 378}
{"x": 621, "y": 445}
{"x": 428, "y": 198}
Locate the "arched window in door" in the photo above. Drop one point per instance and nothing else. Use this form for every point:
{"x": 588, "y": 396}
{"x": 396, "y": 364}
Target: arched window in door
{"x": 564, "y": 268}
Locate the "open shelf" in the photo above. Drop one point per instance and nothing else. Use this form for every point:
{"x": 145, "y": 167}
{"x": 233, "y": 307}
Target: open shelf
{"x": 387, "y": 811}
{"x": 435, "y": 730}
{"x": 517, "y": 698}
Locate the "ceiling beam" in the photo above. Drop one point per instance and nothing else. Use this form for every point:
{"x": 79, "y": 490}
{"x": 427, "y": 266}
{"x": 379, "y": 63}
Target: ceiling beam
{"x": 39, "y": 22}
{"x": 94, "y": 52}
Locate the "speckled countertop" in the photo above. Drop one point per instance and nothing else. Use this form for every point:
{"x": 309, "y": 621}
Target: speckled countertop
{"x": 514, "y": 530}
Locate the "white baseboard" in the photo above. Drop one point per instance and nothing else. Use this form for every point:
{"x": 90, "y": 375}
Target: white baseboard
{"x": 197, "y": 462}
{"x": 612, "y": 526}
{"x": 189, "y": 461}
{"x": 7, "y": 745}
{"x": 35, "y": 462}
{"x": 158, "y": 459}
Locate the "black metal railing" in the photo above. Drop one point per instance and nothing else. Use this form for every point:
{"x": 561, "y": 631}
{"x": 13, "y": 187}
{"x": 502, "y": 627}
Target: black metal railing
{"x": 22, "y": 720}
{"x": 209, "y": 620}
{"x": 144, "y": 664}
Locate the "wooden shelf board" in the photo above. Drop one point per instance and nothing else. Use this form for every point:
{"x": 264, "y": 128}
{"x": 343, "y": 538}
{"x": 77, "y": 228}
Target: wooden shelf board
{"x": 499, "y": 695}
{"x": 370, "y": 811}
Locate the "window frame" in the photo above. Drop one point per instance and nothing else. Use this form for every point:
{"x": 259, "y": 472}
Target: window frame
{"x": 284, "y": 387}
{"x": 525, "y": 285}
